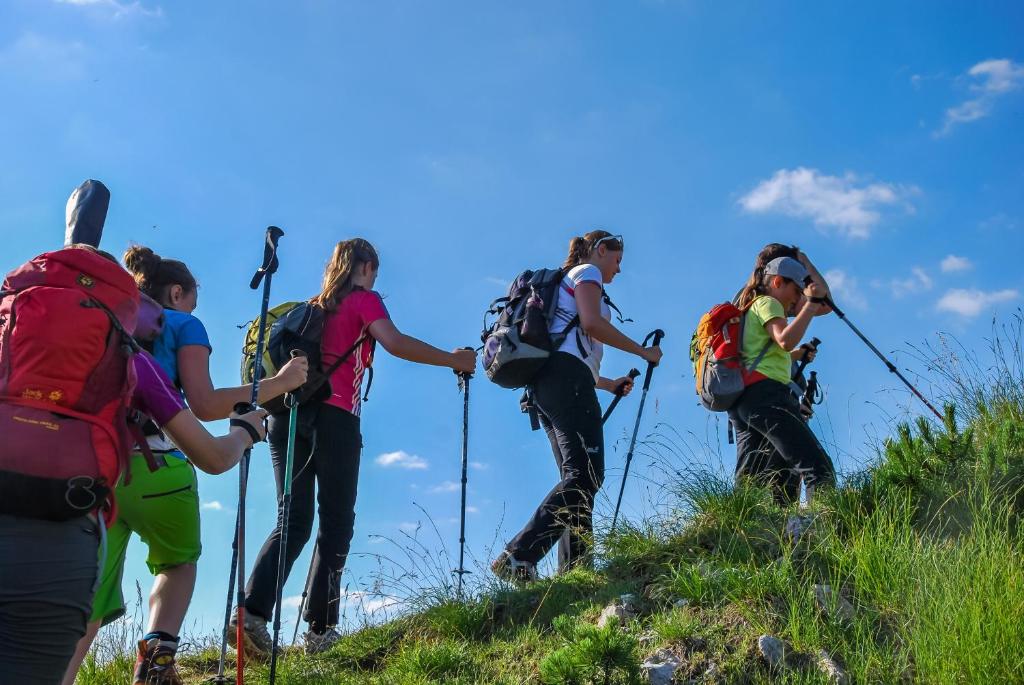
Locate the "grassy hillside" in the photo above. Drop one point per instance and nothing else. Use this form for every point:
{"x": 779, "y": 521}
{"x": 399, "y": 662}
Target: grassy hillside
{"x": 911, "y": 572}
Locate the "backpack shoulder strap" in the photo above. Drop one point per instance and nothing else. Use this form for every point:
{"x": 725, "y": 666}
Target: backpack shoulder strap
{"x": 767, "y": 346}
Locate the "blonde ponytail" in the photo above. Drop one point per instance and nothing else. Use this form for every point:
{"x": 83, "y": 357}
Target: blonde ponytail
{"x": 348, "y": 256}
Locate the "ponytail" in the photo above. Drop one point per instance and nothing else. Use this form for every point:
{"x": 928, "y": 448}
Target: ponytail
{"x": 348, "y": 256}
{"x": 581, "y": 247}
{"x": 156, "y": 275}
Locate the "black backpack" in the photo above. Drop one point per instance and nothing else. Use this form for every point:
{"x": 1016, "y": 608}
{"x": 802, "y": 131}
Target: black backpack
{"x": 519, "y": 341}
{"x": 302, "y": 328}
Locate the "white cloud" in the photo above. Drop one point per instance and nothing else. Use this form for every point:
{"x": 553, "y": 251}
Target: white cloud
{"x": 831, "y": 202}
{"x": 953, "y": 264}
{"x": 409, "y": 527}
{"x": 446, "y": 486}
{"x": 845, "y": 288}
{"x": 402, "y": 460}
{"x": 970, "y": 303}
{"x": 478, "y": 466}
{"x": 470, "y": 509}
{"x": 292, "y": 602}
{"x": 993, "y": 79}
{"x": 118, "y": 8}
{"x": 919, "y": 281}
{"x": 212, "y": 506}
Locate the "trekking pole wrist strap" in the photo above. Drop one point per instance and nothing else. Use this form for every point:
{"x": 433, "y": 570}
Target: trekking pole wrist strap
{"x": 253, "y": 433}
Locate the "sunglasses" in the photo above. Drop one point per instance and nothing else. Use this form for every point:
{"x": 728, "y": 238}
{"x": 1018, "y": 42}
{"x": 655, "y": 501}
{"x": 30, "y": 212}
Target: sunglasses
{"x": 609, "y": 238}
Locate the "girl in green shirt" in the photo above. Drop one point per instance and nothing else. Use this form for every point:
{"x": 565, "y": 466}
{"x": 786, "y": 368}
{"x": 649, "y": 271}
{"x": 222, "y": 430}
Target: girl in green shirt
{"x": 774, "y": 445}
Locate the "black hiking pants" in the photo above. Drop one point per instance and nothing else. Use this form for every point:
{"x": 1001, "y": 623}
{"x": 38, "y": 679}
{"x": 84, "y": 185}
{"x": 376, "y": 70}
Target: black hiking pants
{"x": 774, "y": 445}
{"x": 328, "y": 481}
{"x": 571, "y": 416}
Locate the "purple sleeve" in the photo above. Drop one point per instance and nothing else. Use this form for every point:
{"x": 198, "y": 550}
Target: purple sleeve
{"x": 155, "y": 395}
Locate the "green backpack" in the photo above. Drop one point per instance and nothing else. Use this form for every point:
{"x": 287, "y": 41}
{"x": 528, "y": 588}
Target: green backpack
{"x": 249, "y": 347}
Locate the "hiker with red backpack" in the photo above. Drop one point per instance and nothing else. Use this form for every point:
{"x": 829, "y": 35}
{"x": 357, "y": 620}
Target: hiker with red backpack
{"x": 774, "y": 444}
{"x": 353, "y": 320}
{"x": 70, "y": 374}
{"x": 161, "y": 501}
{"x": 570, "y": 316}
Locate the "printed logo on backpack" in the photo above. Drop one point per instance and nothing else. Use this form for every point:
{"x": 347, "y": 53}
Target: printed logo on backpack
{"x": 66, "y": 379}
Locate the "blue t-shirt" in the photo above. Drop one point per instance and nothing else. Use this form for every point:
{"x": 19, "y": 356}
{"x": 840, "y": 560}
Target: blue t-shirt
{"x": 180, "y": 329}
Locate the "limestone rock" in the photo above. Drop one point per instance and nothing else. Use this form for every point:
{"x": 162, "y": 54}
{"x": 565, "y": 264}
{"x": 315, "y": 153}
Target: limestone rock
{"x": 772, "y": 650}
{"x": 832, "y": 670}
{"x": 660, "y": 667}
{"x": 834, "y": 605}
{"x": 615, "y": 612}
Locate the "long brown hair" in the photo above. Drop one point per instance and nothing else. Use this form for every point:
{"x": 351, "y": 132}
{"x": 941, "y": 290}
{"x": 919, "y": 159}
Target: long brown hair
{"x": 348, "y": 256}
{"x": 156, "y": 275}
{"x": 582, "y": 246}
{"x": 757, "y": 283}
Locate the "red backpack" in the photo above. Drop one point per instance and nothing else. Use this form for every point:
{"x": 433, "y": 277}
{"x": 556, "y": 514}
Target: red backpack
{"x": 66, "y": 379}
{"x": 717, "y": 356}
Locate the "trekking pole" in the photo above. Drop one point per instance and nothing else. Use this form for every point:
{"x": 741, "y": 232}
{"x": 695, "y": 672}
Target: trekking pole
{"x": 657, "y": 335}
{"x": 305, "y": 593}
{"x": 804, "y": 360}
{"x": 292, "y": 402}
{"x": 464, "y": 379}
{"x": 633, "y": 373}
{"x": 264, "y": 274}
{"x": 892, "y": 367}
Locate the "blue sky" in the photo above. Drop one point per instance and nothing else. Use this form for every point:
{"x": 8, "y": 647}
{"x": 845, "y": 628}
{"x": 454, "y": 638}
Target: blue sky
{"x": 469, "y": 141}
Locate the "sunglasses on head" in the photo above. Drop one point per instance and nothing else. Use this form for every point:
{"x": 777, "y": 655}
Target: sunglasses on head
{"x": 609, "y": 238}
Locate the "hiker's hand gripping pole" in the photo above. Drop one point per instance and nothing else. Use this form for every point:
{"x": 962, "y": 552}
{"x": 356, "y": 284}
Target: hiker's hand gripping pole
{"x": 633, "y": 373}
{"x": 464, "y": 379}
{"x": 654, "y": 337}
{"x": 805, "y": 359}
{"x": 889, "y": 365}
{"x": 283, "y": 515}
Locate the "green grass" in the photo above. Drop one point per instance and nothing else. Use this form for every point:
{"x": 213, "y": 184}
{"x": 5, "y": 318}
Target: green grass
{"x": 926, "y": 545}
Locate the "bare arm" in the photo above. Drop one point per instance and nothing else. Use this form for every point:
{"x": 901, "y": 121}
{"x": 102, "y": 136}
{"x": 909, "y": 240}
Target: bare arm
{"x": 817, "y": 278}
{"x": 211, "y": 454}
{"x": 413, "y": 349}
{"x": 588, "y": 303}
{"x": 211, "y": 404}
{"x": 788, "y": 336}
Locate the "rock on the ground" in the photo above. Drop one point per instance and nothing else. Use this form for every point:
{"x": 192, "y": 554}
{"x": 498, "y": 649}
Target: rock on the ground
{"x": 832, "y": 670}
{"x": 833, "y": 604}
{"x": 713, "y": 674}
{"x": 773, "y": 650}
{"x": 681, "y": 603}
{"x": 614, "y": 611}
{"x": 660, "y": 667}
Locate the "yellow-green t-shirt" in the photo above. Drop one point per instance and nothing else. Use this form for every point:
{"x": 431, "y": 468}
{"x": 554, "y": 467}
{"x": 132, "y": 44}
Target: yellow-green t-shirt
{"x": 776, "y": 363}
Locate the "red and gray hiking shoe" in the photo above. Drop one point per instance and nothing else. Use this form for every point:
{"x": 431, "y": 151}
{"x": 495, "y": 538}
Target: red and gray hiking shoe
{"x": 507, "y": 567}
{"x": 155, "y": 664}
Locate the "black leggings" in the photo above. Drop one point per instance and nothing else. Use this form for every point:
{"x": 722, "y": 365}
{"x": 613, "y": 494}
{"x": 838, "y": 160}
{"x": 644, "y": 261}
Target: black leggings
{"x": 334, "y": 469}
{"x": 571, "y": 416}
{"x": 774, "y": 445}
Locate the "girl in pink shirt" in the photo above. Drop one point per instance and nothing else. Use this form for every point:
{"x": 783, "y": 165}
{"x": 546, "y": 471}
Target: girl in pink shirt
{"x": 356, "y": 320}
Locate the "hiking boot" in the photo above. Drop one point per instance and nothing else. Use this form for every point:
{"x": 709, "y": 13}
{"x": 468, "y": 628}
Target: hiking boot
{"x": 316, "y": 643}
{"x": 507, "y": 567}
{"x": 155, "y": 664}
{"x": 257, "y": 637}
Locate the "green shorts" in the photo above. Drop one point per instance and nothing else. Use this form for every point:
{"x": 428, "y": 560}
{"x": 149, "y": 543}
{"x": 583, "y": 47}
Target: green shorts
{"x": 162, "y": 506}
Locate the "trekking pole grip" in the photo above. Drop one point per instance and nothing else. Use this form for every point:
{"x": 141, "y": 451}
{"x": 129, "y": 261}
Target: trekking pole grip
{"x": 654, "y": 337}
{"x": 633, "y": 373}
{"x": 463, "y": 376}
{"x": 289, "y": 397}
{"x": 270, "y": 262}
{"x": 812, "y": 345}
